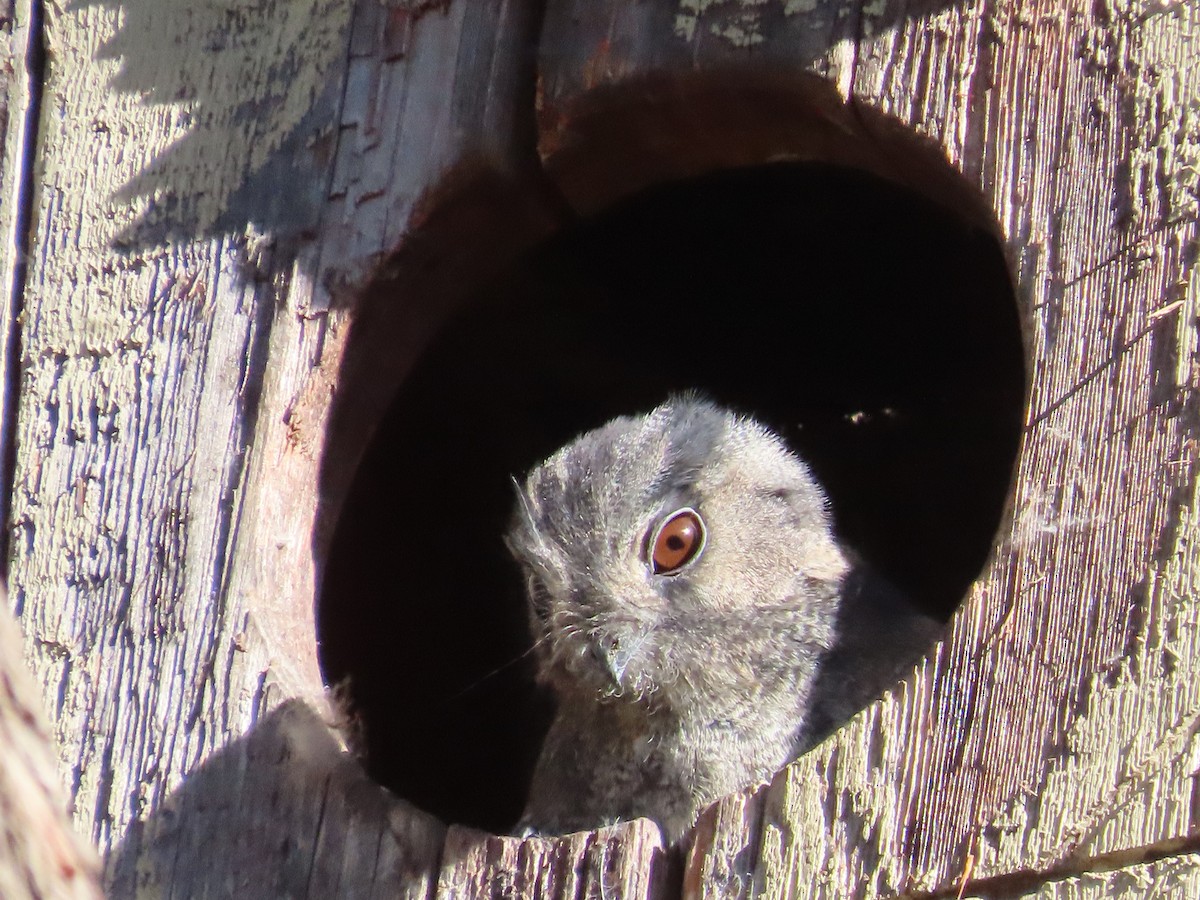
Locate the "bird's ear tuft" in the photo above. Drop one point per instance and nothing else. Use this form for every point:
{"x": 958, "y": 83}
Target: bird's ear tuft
{"x": 692, "y": 397}
{"x": 695, "y": 429}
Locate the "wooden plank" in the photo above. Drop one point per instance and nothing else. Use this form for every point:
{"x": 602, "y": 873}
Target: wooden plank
{"x": 1055, "y": 722}
{"x": 624, "y": 860}
{"x": 20, "y": 103}
{"x": 1176, "y": 876}
{"x": 210, "y": 181}
{"x": 1163, "y": 875}
{"x": 213, "y": 183}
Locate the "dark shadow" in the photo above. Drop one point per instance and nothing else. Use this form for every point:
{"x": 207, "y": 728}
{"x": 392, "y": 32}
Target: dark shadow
{"x": 281, "y": 812}
{"x": 876, "y": 330}
{"x": 284, "y": 811}
{"x": 208, "y": 56}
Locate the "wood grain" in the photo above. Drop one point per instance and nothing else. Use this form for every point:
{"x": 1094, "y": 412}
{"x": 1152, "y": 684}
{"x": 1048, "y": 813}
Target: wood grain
{"x": 214, "y": 186}
{"x": 1061, "y": 705}
{"x": 209, "y": 178}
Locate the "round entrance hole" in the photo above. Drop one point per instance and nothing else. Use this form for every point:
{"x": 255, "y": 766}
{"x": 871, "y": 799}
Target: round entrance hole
{"x": 874, "y": 329}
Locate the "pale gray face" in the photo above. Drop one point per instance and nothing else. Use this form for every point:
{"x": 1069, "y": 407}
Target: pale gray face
{"x": 671, "y": 555}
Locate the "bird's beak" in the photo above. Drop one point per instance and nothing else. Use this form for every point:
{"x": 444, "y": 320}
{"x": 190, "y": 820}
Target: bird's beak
{"x": 616, "y": 654}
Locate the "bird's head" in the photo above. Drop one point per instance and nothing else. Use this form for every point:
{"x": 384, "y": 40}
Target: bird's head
{"x": 676, "y": 556}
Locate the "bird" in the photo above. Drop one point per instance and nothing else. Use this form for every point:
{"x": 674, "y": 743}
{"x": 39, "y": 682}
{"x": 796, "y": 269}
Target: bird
{"x": 694, "y": 618}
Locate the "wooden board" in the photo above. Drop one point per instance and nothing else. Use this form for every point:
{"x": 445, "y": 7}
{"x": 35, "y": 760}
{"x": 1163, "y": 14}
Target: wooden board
{"x": 213, "y": 184}
{"x": 1174, "y": 877}
{"x": 207, "y": 176}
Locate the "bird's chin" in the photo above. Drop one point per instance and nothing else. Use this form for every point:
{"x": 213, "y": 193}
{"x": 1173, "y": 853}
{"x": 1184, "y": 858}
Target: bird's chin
{"x": 580, "y": 674}
{"x": 572, "y": 687}
{"x": 585, "y": 676}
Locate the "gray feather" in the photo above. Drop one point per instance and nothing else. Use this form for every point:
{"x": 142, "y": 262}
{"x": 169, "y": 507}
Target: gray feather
{"x": 673, "y": 690}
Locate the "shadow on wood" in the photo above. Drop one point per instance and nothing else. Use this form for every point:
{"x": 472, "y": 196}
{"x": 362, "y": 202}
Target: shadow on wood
{"x": 282, "y": 811}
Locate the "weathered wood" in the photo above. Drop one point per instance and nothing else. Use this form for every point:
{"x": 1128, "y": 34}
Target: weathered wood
{"x": 213, "y": 185}
{"x": 724, "y": 847}
{"x": 1119, "y": 877}
{"x": 1064, "y": 697}
{"x": 290, "y": 813}
{"x": 621, "y": 861}
{"x": 208, "y": 176}
{"x": 1172, "y": 877}
{"x": 41, "y": 855}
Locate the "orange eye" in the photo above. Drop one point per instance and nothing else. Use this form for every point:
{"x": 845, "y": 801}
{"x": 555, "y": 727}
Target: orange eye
{"x": 677, "y": 542}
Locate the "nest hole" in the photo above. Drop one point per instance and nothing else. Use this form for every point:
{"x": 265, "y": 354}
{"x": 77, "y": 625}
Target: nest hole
{"x": 875, "y": 329}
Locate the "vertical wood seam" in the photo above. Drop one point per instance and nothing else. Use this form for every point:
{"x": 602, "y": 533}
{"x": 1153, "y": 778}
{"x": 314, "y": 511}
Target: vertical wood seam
{"x": 33, "y": 52}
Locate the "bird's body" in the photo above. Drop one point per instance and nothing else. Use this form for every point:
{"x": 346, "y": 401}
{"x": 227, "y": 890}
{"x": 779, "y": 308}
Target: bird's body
{"x": 686, "y": 593}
